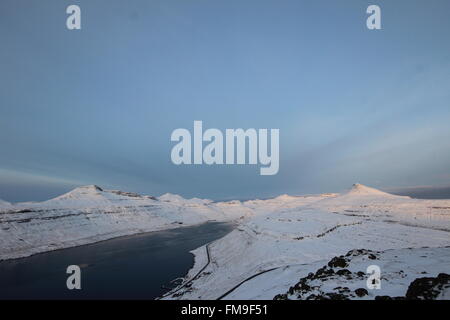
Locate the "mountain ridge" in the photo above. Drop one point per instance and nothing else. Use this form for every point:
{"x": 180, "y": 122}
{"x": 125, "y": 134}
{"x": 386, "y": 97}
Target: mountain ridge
{"x": 360, "y": 189}
{"x": 94, "y": 193}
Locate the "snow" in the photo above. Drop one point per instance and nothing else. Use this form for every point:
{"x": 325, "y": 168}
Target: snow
{"x": 169, "y": 197}
{"x": 290, "y": 231}
{"x": 90, "y": 214}
{"x": 362, "y": 190}
{"x": 277, "y": 241}
{"x": 4, "y": 205}
{"x": 399, "y": 267}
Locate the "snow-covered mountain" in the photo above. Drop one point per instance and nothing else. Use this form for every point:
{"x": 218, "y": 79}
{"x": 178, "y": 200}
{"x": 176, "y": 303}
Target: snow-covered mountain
{"x": 277, "y": 241}
{"x": 89, "y": 214}
{"x": 289, "y": 237}
{"x": 175, "y": 198}
{"x": 362, "y": 190}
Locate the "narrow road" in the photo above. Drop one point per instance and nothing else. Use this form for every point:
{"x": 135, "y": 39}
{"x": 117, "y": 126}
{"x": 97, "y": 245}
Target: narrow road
{"x": 208, "y": 255}
{"x": 243, "y": 281}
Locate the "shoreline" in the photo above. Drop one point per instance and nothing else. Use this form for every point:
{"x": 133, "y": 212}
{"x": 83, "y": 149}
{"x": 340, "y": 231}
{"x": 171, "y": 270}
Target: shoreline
{"x": 82, "y": 242}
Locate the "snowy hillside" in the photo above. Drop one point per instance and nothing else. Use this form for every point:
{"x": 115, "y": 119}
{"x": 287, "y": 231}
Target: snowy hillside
{"x": 89, "y": 214}
{"x": 282, "y": 247}
{"x": 288, "y": 237}
{"x": 4, "y": 205}
{"x": 413, "y": 273}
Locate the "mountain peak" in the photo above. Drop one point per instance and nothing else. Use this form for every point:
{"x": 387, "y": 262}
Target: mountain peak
{"x": 170, "y": 197}
{"x": 361, "y": 189}
{"x": 83, "y": 192}
{"x": 91, "y": 187}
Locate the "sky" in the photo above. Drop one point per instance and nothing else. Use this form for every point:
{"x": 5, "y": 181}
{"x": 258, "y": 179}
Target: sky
{"x": 98, "y": 105}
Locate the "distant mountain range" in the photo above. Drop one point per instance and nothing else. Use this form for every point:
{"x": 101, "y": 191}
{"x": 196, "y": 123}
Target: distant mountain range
{"x": 276, "y": 242}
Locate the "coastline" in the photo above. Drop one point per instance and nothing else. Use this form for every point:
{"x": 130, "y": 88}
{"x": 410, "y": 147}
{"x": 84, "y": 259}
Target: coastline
{"x": 98, "y": 239}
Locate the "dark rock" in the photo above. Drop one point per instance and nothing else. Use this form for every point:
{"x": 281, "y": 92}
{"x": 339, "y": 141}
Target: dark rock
{"x": 427, "y": 288}
{"x": 342, "y": 289}
{"x": 323, "y": 273}
{"x": 361, "y": 292}
{"x": 357, "y": 252}
{"x": 343, "y": 272}
{"x": 338, "y": 262}
{"x": 383, "y": 298}
{"x": 302, "y": 286}
{"x": 315, "y": 297}
{"x": 336, "y": 296}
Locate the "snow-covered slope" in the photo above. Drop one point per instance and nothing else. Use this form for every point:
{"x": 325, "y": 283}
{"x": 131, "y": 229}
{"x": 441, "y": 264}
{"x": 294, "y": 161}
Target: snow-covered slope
{"x": 4, "y": 205}
{"x": 89, "y": 214}
{"x": 286, "y": 232}
{"x": 277, "y": 242}
{"x": 362, "y": 190}
{"x": 405, "y": 273}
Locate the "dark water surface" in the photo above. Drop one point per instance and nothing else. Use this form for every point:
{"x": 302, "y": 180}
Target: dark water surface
{"x": 135, "y": 267}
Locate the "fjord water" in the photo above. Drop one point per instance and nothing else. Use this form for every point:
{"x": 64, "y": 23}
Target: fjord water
{"x": 135, "y": 267}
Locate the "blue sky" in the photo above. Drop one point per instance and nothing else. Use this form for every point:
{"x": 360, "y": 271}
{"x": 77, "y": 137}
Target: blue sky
{"x": 98, "y": 105}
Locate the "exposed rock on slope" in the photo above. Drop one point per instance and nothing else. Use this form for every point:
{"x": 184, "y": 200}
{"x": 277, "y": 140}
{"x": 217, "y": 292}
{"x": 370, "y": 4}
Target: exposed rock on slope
{"x": 402, "y": 278}
{"x": 261, "y": 257}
